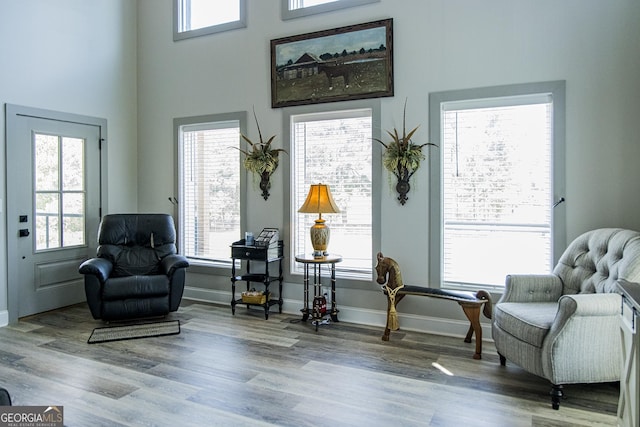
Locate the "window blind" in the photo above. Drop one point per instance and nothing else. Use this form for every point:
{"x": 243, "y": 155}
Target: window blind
{"x": 210, "y": 189}
{"x": 335, "y": 149}
{"x": 497, "y": 189}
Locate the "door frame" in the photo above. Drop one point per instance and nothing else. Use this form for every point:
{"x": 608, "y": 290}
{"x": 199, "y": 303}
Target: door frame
{"x": 12, "y": 113}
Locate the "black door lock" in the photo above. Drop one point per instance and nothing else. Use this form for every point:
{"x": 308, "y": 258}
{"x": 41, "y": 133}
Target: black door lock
{"x": 24, "y": 232}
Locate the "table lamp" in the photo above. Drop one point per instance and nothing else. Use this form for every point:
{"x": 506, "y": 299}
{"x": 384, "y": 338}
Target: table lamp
{"x": 319, "y": 200}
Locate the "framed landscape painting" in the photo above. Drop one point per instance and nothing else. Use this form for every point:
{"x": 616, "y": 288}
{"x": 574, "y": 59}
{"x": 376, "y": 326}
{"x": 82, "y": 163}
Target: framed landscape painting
{"x": 345, "y": 63}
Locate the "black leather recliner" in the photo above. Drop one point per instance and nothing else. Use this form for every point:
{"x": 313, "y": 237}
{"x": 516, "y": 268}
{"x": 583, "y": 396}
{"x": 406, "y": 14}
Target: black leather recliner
{"x": 137, "y": 272}
{"x": 5, "y": 398}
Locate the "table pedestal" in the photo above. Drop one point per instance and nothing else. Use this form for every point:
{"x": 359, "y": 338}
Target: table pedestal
{"x": 313, "y": 271}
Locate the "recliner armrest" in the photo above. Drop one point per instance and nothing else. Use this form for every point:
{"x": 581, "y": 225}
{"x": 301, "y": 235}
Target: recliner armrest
{"x": 532, "y": 288}
{"x": 99, "y": 267}
{"x": 172, "y": 262}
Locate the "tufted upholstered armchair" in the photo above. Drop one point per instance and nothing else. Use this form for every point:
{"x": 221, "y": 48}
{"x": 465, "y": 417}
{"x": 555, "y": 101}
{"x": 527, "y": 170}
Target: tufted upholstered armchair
{"x": 565, "y": 326}
{"x": 137, "y": 272}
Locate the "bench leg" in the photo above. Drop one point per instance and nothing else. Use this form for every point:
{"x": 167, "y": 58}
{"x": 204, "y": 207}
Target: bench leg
{"x": 472, "y": 311}
{"x": 469, "y": 334}
{"x": 387, "y": 329}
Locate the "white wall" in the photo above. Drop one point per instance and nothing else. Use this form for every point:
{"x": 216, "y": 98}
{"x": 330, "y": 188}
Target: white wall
{"x": 73, "y": 56}
{"x": 438, "y": 45}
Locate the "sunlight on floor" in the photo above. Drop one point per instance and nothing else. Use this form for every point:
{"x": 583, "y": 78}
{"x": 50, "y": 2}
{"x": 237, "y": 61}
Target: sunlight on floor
{"x": 442, "y": 369}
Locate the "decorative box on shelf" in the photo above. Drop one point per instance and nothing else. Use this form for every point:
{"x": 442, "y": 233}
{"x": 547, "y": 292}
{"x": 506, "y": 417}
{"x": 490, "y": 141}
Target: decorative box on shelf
{"x": 268, "y": 238}
{"x": 254, "y": 297}
{"x": 240, "y": 250}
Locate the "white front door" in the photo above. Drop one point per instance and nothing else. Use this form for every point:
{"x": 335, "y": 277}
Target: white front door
{"x": 53, "y": 208}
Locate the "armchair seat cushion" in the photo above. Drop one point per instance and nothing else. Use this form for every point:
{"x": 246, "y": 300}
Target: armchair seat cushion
{"x": 132, "y": 308}
{"x": 119, "y": 288}
{"x": 136, "y": 260}
{"x": 530, "y": 322}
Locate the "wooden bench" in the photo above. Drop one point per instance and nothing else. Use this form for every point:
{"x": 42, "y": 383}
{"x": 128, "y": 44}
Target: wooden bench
{"x": 472, "y": 304}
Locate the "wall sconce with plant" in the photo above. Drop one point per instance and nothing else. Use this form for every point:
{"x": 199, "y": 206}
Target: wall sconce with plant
{"x": 261, "y": 159}
{"x": 402, "y": 157}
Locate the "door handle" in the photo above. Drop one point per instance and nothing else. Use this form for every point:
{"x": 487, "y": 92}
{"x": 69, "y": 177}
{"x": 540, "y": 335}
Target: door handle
{"x": 24, "y": 232}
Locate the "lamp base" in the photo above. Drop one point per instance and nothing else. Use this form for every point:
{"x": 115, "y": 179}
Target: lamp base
{"x": 319, "y": 254}
{"x": 319, "y": 238}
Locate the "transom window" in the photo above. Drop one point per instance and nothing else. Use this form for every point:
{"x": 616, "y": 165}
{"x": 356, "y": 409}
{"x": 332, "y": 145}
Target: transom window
{"x": 300, "y": 4}
{"x": 495, "y": 195}
{"x": 210, "y": 186}
{"x": 193, "y": 18}
{"x": 298, "y": 8}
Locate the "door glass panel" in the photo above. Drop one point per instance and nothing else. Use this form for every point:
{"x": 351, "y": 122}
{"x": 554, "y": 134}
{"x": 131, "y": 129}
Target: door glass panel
{"x": 73, "y": 164}
{"x": 59, "y": 191}
{"x": 72, "y": 219}
{"x": 46, "y": 162}
{"x": 47, "y": 231}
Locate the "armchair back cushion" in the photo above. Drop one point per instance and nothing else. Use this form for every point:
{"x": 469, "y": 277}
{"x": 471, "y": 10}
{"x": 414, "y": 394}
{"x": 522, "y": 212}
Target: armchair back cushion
{"x": 135, "y": 244}
{"x": 594, "y": 261}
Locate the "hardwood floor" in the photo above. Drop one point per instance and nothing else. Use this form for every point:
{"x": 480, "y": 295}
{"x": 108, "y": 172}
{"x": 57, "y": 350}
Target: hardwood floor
{"x": 243, "y": 370}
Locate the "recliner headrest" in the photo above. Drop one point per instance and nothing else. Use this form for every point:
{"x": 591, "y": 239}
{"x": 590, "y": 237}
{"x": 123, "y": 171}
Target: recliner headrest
{"x": 149, "y": 230}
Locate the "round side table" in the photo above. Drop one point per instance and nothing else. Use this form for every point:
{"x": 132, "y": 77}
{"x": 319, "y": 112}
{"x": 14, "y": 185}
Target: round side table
{"x": 317, "y": 262}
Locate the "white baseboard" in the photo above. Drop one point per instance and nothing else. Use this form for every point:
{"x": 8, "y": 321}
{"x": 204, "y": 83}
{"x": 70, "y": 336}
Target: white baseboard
{"x": 4, "y": 318}
{"x": 361, "y": 316}
{"x": 368, "y": 317}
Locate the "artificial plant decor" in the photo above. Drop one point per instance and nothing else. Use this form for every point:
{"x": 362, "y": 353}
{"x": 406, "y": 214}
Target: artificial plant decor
{"x": 261, "y": 159}
{"x": 402, "y": 157}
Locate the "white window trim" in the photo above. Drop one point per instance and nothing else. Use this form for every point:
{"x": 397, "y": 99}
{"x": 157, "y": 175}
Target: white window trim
{"x": 557, "y": 90}
{"x": 241, "y": 117}
{"x": 228, "y": 26}
{"x": 355, "y": 280}
{"x": 286, "y": 13}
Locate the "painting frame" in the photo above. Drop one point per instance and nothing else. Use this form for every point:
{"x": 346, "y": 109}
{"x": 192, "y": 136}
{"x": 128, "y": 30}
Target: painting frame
{"x": 345, "y": 63}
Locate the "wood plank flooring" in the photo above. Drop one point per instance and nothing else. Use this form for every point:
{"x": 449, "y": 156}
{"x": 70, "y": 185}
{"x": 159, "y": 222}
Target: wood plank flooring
{"x": 242, "y": 370}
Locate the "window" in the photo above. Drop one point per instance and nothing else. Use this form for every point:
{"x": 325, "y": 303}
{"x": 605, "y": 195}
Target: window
{"x": 210, "y": 185}
{"x": 336, "y": 148}
{"x": 59, "y": 191}
{"x": 193, "y": 18}
{"x": 496, "y": 174}
{"x": 298, "y": 8}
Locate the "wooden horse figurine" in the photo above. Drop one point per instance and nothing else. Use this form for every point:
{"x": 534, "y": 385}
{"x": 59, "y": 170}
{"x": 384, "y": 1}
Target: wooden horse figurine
{"x": 390, "y": 277}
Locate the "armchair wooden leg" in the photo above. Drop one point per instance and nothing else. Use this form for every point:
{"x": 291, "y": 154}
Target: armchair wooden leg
{"x": 503, "y": 360}
{"x": 556, "y": 395}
